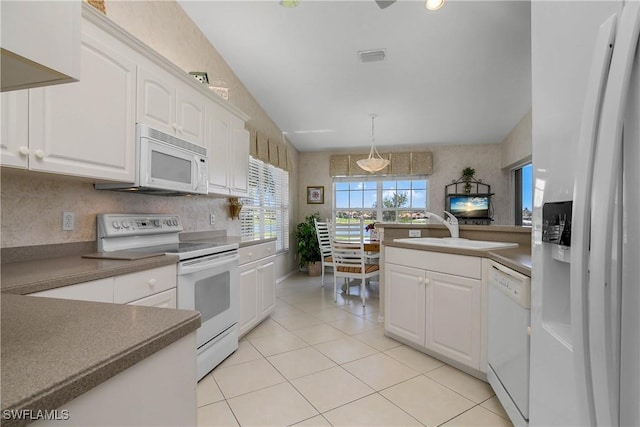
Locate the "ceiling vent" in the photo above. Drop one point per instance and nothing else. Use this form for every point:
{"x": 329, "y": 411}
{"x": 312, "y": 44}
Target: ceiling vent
{"x": 372, "y": 55}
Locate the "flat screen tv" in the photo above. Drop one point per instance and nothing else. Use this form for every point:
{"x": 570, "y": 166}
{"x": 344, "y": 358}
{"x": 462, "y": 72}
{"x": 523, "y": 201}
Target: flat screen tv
{"x": 466, "y": 206}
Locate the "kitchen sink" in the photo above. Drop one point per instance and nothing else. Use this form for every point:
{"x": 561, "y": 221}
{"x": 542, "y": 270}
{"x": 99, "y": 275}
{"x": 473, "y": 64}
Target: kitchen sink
{"x": 459, "y": 243}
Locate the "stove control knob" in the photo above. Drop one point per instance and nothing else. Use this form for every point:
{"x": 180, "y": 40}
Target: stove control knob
{"x": 115, "y": 225}
{"x": 167, "y": 222}
{"x": 125, "y": 224}
{"x": 156, "y": 223}
{"x": 175, "y": 222}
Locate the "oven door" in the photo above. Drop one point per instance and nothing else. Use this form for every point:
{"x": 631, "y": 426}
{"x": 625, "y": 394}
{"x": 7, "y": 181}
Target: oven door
{"x": 210, "y": 285}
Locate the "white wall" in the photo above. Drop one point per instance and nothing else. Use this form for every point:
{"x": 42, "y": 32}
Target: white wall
{"x": 448, "y": 163}
{"x": 516, "y": 147}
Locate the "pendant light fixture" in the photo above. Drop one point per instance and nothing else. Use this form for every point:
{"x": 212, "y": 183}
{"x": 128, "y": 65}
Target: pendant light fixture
{"x": 374, "y": 162}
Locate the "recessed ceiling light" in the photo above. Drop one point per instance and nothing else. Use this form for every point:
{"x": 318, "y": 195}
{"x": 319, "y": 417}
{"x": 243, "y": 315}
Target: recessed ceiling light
{"x": 434, "y": 4}
{"x": 289, "y": 3}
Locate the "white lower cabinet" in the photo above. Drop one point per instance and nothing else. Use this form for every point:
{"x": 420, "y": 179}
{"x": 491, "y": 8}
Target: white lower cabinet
{"x": 154, "y": 287}
{"x": 436, "y": 310}
{"x": 257, "y": 285}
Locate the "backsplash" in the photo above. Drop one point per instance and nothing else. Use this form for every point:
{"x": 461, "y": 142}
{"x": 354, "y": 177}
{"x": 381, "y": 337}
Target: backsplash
{"x": 32, "y": 206}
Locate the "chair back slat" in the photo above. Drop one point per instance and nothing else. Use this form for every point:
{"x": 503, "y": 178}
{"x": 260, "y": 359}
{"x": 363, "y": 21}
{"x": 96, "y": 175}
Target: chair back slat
{"x": 323, "y": 232}
{"x": 349, "y": 232}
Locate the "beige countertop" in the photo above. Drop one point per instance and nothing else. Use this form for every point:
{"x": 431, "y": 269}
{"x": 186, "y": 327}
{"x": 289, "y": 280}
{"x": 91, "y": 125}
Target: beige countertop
{"x": 518, "y": 259}
{"x": 54, "y": 350}
{"x": 33, "y": 276}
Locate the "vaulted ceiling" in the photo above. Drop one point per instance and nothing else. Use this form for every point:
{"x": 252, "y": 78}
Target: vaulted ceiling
{"x": 459, "y": 75}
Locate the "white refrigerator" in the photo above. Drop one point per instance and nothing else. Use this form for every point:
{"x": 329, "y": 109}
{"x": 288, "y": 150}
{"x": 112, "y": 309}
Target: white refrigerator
{"x": 585, "y": 321}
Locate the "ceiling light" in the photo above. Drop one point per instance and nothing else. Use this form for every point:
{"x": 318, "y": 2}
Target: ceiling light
{"x": 434, "y": 4}
{"x": 289, "y": 3}
{"x": 374, "y": 162}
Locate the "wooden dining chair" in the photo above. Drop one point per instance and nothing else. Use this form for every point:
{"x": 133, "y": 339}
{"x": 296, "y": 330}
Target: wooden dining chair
{"x": 350, "y": 262}
{"x": 323, "y": 233}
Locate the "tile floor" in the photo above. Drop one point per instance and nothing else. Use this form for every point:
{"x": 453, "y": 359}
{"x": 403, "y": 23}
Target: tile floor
{"x": 315, "y": 362}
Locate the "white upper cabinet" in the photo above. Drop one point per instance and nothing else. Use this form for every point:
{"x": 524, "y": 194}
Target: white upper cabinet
{"x": 169, "y": 105}
{"x": 227, "y": 143}
{"x": 40, "y": 43}
{"x": 14, "y": 139}
{"x": 87, "y": 128}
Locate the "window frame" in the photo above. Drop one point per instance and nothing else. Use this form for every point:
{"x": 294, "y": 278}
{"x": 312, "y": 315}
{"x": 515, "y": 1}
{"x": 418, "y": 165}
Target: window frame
{"x": 272, "y": 204}
{"x": 518, "y": 199}
{"x": 380, "y": 210}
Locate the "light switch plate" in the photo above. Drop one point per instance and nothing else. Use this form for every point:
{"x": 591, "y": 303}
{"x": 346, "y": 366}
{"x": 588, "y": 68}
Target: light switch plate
{"x": 414, "y": 233}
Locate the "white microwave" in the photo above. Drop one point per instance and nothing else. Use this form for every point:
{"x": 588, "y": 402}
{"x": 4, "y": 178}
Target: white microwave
{"x": 166, "y": 165}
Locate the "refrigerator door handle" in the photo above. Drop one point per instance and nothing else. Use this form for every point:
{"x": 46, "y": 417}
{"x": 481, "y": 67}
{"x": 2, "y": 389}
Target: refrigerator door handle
{"x": 581, "y": 213}
{"x": 603, "y": 354}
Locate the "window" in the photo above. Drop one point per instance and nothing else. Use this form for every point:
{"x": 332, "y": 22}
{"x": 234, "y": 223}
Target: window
{"x": 386, "y": 200}
{"x": 523, "y": 178}
{"x": 265, "y": 212}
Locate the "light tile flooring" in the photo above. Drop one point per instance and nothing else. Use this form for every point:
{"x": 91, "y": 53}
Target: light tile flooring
{"x": 315, "y": 362}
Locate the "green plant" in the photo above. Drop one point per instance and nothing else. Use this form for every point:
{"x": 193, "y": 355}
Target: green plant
{"x": 308, "y": 248}
{"x": 467, "y": 177}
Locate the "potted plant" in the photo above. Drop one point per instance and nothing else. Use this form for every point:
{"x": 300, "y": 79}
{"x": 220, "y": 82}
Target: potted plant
{"x": 467, "y": 177}
{"x": 308, "y": 248}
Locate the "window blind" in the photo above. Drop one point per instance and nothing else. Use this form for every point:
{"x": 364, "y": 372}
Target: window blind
{"x": 265, "y": 212}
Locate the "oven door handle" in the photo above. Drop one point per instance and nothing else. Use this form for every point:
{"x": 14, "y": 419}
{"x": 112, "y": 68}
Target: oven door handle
{"x": 206, "y": 263}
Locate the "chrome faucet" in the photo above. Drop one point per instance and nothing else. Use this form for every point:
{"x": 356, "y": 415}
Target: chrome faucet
{"x": 451, "y": 222}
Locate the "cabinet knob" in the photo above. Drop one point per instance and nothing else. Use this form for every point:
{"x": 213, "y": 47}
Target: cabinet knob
{"x": 529, "y": 330}
{"x": 40, "y": 154}
{"x": 152, "y": 283}
{"x": 23, "y": 150}
{"x": 175, "y": 126}
{"x": 420, "y": 280}
{"x": 427, "y": 281}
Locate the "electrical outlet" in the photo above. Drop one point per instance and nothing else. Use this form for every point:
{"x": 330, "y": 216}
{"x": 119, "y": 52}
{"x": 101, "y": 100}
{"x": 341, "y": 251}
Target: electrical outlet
{"x": 414, "y": 233}
{"x": 68, "y": 221}
{"x": 212, "y": 219}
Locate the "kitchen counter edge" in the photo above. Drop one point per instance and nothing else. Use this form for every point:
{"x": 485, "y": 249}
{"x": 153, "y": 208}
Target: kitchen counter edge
{"x": 133, "y": 332}
{"x": 518, "y": 259}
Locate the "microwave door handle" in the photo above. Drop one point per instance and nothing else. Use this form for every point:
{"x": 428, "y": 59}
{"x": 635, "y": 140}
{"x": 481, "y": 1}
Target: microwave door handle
{"x": 196, "y": 173}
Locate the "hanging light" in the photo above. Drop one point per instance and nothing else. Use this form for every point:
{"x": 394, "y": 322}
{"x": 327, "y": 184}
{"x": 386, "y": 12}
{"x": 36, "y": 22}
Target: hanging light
{"x": 374, "y": 162}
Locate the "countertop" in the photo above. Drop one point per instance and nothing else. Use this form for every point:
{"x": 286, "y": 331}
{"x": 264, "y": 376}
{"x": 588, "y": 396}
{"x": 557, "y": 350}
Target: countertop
{"x": 518, "y": 259}
{"x": 33, "y": 276}
{"x": 54, "y": 350}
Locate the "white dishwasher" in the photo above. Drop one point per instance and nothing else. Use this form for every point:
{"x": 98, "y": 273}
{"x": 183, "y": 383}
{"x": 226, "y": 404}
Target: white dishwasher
{"x": 509, "y": 320}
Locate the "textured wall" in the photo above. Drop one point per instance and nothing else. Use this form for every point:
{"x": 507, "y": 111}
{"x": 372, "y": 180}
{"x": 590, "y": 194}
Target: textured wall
{"x": 32, "y": 206}
{"x": 448, "y": 163}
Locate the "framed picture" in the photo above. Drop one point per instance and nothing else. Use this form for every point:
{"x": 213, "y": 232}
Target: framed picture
{"x": 315, "y": 195}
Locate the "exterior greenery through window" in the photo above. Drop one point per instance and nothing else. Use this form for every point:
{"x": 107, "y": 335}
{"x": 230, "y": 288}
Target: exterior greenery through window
{"x": 523, "y": 178}
{"x": 401, "y": 200}
{"x": 265, "y": 212}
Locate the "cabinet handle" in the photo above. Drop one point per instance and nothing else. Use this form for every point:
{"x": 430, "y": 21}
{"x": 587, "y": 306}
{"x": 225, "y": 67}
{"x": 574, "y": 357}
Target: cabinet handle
{"x": 250, "y": 254}
{"x": 23, "y": 150}
{"x": 40, "y": 154}
{"x": 152, "y": 282}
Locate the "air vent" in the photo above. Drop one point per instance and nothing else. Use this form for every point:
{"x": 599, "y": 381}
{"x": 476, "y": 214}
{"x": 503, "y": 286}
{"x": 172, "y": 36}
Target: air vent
{"x": 372, "y": 55}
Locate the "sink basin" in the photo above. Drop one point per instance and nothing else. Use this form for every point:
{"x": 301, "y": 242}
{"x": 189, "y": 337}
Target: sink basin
{"x": 459, "y": 243}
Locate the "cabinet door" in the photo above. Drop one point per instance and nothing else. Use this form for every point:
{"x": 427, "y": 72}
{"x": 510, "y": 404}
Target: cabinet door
{"x": 14, "y": 139}
{"x": 218, "y": 131}
{"x": 87, "y": 128}
{"x": 190, "y": 114}
{"x": 100, "y": 290}
{"x": 454, "y": 321}
{"x": 405, "y": 302}
{"x": 267, "y": 288}
{"x": 156, "y": 101}
{"x": 248, "y": 298}
{"x": 240, "y": 177}
{"x": 166, "y": 299}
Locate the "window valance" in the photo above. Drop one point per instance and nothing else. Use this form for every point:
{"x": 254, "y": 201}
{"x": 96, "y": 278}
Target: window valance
{"x": 269, "y": 150}
{"x": 402, "y": 163}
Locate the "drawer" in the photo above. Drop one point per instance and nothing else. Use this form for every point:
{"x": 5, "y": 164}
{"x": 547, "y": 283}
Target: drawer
{"x": 130, "y": 287}
{"x": 457, "y": 265}
{"x": 255, "y": 252}
{"x": 100, "y": 290}
{"x": 165, "y": 299}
